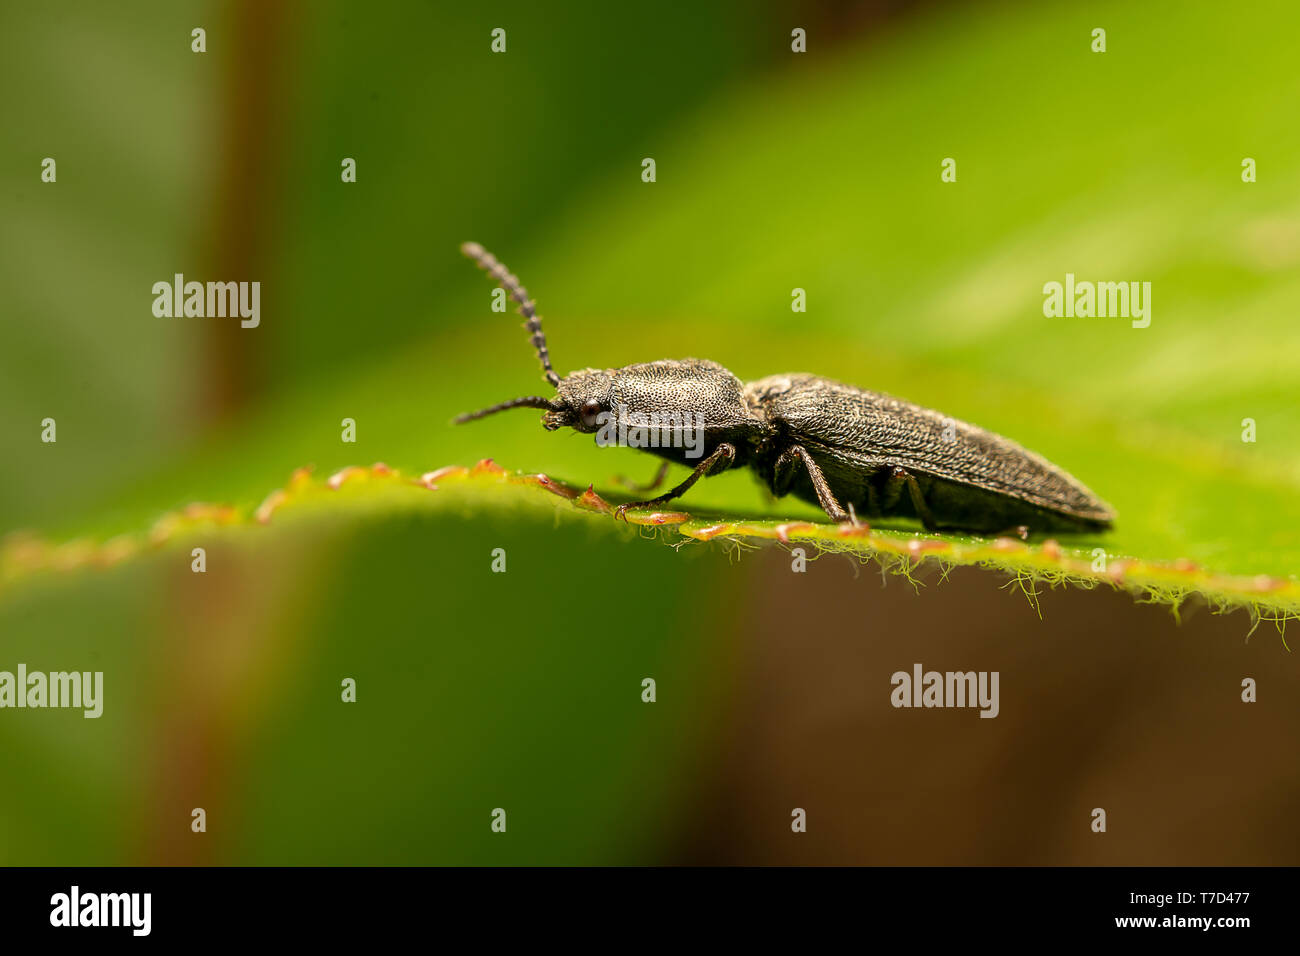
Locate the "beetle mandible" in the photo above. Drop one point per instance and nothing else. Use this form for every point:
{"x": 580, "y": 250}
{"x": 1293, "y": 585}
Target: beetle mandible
{"x": 851, "y": 451}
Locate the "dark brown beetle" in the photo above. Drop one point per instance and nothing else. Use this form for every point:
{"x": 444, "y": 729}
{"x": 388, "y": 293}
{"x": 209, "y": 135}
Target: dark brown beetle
{"x": 851, "y": 451}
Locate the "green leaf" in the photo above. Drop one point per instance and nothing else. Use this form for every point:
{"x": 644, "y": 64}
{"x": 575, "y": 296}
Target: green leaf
{"x": 486, "y": 487}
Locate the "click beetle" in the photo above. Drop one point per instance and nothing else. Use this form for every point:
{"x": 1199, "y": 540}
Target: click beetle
{"x": 851, "y": 451}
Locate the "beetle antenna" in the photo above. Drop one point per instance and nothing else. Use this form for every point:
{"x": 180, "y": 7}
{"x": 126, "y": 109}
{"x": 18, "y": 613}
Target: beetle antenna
{"x": 527, "y": 308}
{"x": 528, "y": 401}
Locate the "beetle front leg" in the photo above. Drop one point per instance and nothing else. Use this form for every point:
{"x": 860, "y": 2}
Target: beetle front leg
{"x": 783, "y": 473}
{"x": 703, "y": 468}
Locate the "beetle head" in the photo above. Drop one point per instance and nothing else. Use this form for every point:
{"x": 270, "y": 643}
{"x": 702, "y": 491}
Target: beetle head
{"x": 580, "y": 399}
{"x": 703, "y": 393}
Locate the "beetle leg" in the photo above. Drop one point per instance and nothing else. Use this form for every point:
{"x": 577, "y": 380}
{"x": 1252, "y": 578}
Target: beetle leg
{"x": 873, "y": 500}
{"x": 654, "y": 482}
{"x": 783, "y": 473}
{"x": 824, "y": 494}
{"x": 900, "y": 478}
{"x": 722, "y": 451}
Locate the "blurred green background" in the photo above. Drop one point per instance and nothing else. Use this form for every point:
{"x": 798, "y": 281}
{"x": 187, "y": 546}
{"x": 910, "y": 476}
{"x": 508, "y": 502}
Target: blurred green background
{"x": 774, "y": 171}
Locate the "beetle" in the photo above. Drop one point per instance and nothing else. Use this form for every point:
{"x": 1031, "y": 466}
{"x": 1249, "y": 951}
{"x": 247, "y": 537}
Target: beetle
{"x": 851, "y": 451}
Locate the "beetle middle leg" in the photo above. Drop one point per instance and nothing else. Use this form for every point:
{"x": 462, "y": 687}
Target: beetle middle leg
{"x": 722, "y": 451}
{"x": 651, "y": 485}
{"x": 784, "y": 474}
{"x": 900, "y": 478}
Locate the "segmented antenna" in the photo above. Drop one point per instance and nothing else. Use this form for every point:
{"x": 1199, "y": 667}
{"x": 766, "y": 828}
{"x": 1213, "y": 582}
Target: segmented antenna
{"x": 527, "y": 308}
{"x": 529, "y": 401}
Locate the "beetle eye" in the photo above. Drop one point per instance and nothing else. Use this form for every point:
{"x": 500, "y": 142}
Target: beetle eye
{"x": 589, "y": 412}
